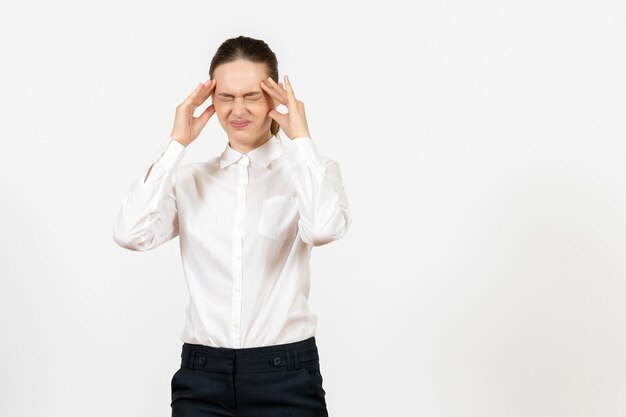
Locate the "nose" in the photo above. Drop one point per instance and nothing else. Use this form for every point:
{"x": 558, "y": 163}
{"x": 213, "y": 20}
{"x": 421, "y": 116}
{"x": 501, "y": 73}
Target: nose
{"x": 239, "y": 105}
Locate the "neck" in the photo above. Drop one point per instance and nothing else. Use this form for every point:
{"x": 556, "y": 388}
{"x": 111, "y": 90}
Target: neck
{"x": 244, "y": 148}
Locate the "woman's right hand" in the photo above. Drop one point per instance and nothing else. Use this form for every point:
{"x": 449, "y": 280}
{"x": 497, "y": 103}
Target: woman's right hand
{"x": 186, "y": 126}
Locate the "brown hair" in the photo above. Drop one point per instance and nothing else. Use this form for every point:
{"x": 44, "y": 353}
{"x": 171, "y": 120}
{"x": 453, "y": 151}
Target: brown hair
{"x": 254, "y": 50}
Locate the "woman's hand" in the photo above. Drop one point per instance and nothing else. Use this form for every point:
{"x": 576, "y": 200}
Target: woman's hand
{"x": 294, "y": 122}
{"x": 186, "y": 127}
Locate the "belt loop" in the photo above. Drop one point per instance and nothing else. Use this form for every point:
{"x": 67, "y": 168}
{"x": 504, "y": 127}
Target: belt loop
{"x": 191, "y": 360}
{"x": 295, "y": 359}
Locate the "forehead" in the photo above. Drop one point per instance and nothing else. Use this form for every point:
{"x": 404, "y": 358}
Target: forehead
{"x": 239, "y": 77}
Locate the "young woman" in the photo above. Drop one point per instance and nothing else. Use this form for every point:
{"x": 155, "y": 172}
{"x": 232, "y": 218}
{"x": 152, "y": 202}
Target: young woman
{"x": 247, "y": 221}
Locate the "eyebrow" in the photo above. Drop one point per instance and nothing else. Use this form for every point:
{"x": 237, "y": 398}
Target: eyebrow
{"x": 247, "y": 94}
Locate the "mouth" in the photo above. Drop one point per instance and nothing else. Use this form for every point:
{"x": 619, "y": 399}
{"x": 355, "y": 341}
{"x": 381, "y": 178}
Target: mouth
{"x": 240, "y": 124}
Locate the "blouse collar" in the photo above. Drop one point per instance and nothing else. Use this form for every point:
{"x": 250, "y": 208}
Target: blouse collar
{"x": 264, "y": 154}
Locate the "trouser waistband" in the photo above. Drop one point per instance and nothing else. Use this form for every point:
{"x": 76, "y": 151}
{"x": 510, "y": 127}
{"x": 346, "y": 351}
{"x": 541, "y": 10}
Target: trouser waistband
{"x": 272, "y": 358}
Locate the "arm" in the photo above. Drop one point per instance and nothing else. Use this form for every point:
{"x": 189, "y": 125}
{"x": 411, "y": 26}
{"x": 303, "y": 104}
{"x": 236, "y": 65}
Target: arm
{"x": 148, "y": 216}
{"x": 324, "y": 212}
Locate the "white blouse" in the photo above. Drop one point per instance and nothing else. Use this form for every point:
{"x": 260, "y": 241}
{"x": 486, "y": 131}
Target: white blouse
{"x": 247, "y": 224}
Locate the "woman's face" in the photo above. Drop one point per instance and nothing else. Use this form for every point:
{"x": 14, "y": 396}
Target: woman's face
{"x": 238, "y": 96}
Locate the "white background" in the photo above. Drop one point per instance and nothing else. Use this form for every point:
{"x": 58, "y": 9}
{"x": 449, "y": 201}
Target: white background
{"x": 482, "y": 150}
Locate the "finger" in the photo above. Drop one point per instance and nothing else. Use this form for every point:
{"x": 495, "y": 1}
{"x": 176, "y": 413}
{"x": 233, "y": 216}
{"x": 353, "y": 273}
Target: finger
{"x": 274, "y": 90}
{"x": 278, "y": 94}
{"x": 198, "y": 87}
{"x": 206, "y": 114}
{"x": 206, "y": 90}
{"x": 291, "y": 96}
{"x": 281, "y": 118}
{"x": 201, "y": 93}
{"x": 188, "y": 101}
{"x": 278, "y": 100}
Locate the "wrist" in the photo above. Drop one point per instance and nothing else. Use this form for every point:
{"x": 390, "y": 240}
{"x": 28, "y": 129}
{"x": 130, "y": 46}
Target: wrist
{"x": 182, "y": 142}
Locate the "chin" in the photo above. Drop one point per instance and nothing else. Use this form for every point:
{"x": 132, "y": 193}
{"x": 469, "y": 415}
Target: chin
{"x": 243, "y": 135}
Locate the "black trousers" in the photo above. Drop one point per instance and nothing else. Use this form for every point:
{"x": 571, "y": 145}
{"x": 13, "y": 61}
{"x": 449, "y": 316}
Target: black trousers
{"x": 266, "y": 381}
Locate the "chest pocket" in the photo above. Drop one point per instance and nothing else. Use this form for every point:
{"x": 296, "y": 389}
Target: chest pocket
{"x": 279, "y": 217}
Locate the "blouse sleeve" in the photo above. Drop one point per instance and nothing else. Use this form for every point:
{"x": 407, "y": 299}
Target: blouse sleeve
{"x": 148, "y": 216}
{"x": 324, "y": 211}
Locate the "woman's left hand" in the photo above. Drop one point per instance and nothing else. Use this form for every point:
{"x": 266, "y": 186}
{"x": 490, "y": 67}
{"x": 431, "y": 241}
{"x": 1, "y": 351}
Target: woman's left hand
{"x": 293, "y": 122}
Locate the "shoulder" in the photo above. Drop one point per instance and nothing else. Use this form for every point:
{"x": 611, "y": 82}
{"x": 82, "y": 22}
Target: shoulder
{"x": 187, "y": 171}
